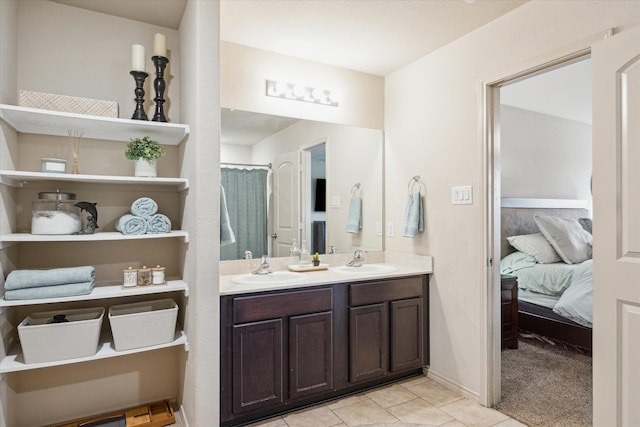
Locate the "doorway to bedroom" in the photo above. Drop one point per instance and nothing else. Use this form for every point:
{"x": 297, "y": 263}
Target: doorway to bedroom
{"x": 542, "y": 134}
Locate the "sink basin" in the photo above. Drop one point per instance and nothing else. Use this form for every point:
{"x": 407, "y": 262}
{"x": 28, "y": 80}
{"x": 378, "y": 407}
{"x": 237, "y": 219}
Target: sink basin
{"x": 367, "y": 269}
{"x": 274, "y": 278}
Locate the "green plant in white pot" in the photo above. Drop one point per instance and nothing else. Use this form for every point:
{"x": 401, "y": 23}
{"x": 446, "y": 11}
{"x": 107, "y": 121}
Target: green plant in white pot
{"x": 145, "y": 152}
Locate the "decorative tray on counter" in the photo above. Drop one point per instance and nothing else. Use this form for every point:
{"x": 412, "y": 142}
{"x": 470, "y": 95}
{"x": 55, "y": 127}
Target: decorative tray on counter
{"x": 301, "y": 268}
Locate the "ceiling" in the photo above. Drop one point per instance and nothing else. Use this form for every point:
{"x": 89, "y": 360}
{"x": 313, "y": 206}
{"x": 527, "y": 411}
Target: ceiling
{"x": 371, "y": 36}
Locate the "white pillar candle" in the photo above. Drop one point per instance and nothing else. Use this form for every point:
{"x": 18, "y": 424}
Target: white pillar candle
{"x": 137, "y": 58}
{"x": 160, "y": 45}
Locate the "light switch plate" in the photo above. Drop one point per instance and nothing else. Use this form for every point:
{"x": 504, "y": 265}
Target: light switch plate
{"x": 378, "y": 228}
{"x": 390, "y": 230}
{"x": 335, "y": 201}
{"x": 462, "y": 195}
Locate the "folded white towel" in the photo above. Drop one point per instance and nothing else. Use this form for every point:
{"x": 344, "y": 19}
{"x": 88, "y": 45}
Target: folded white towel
{"x": 227, "y": 235}
{"x": 354, "y": 218}
{"x": 413, "y": 216}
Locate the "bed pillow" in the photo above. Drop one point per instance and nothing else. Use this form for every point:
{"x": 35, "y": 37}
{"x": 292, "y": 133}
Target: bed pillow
{"x": 516, "y": 261}
{"x": 535, "y": 245}
{"x": 587, "y": 224}
{"x": 567, "y": 237}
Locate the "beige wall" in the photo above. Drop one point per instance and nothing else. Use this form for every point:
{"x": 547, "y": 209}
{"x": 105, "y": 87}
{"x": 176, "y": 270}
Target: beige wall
{"x": 433, "y": 129}
{"x": 544, "y": 156}
{"x": 71, "y": 51}
{"x": 200, "y": 385}
{"x": 244, "y": 71}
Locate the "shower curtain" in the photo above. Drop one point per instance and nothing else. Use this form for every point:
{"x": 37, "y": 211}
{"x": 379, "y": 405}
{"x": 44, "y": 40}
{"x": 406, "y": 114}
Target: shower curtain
{"x": 246, "y": 192}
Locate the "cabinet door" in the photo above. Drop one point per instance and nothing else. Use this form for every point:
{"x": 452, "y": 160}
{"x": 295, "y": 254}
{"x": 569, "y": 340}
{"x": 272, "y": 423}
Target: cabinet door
{"x": 406, "y": 334}
{"x": 369, "y": 342}
{"x": 310, "y": 354}
{"x": 257, "y": 365}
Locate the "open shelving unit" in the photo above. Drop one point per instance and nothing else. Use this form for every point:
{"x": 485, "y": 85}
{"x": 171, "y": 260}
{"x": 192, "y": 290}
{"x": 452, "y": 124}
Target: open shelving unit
{"x": 106, "y": 292}
{"x": 45, "y": 122}
{"x": 14, "y": 361}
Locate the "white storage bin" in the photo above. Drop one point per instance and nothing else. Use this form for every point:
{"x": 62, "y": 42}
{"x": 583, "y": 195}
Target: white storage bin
{"x": 143, "y": 324}
{"x": 44, "y": 341}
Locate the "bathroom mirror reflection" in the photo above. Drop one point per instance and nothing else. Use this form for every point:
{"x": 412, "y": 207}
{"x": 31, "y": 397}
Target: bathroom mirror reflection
{"x": 286, "y": 179}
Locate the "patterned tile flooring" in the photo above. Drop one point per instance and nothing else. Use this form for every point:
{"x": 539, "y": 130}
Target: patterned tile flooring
{"x": 414, "y": 402}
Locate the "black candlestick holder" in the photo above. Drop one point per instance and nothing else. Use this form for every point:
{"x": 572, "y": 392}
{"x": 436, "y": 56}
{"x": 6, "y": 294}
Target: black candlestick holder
{"x": 139, "y": 77}
{"x": 159, "y": 85}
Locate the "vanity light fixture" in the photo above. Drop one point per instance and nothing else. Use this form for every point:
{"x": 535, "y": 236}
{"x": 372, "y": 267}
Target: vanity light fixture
{"x": 298, "y": 92}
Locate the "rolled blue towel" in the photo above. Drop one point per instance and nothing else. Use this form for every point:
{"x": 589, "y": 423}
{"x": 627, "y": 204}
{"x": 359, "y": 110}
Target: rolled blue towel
{"x": 24, "y": 279}
{"x": 131, "y": 225}
{"x": 158, "y": 224}
{"x": 144, "y": 207}
{"x": 68, "y": 290}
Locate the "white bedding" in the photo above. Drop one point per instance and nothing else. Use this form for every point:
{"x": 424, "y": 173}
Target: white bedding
{"x": 569, "y": 284}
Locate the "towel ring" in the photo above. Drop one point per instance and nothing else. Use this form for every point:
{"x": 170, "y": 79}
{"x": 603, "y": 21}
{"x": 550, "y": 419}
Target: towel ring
{"x": 413, "y": 181}
{"x": 356, "y": 190}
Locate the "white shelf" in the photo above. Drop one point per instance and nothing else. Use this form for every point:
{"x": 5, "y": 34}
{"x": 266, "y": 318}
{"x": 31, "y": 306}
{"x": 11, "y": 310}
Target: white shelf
{"x": 14, "y": 361}
{"x": 97, "y": 237}
{"x": 18, "y": 178}
{"x": 45, "y": 122}
{"x": 106, "y": 292}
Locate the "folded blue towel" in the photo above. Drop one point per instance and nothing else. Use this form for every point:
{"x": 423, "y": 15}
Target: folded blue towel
{"x": 158, "y": 224}
{"x": 68, "y": 290}
{"x": 413, "y": 216}
{"x": 144, "y": 206}
{"x": 354, "y": 217}
{"x": 227, "y": 236}
{"x": 23, "y": 279}
{"x": 131, "y": 224}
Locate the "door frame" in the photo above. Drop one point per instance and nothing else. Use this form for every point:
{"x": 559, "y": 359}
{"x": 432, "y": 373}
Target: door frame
{"x": 306, "y": 183}
{"x": 489, "y": 135}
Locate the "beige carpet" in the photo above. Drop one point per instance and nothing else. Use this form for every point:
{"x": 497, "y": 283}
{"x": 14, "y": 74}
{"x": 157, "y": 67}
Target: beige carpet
{"x": 546, "y": 385}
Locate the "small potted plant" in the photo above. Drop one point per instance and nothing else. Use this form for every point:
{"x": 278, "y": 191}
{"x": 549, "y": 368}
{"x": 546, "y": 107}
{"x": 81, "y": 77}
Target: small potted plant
{"x": 315, "y": 259}
{"x": 145, "y": 152}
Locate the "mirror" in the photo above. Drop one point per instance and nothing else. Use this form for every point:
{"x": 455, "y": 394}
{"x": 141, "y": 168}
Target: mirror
{"x": 315, "y": 170}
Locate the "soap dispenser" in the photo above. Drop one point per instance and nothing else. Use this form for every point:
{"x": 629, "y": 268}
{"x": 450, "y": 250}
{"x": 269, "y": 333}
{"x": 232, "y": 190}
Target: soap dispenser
{"x": 294, "y": 251}
{"x": 305, "y": 257}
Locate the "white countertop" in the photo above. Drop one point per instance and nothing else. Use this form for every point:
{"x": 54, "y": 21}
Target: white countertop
{"x": 323, "y": 277}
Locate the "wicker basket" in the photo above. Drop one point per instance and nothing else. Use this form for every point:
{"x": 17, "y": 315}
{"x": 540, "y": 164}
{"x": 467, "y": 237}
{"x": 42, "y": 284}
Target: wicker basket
{"x": 67, "y": 104}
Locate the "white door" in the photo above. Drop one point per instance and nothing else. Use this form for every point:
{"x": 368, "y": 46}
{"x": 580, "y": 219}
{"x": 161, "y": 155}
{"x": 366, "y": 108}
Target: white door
{"x": 286, "y": 203}
{"x": 616, "y": 225}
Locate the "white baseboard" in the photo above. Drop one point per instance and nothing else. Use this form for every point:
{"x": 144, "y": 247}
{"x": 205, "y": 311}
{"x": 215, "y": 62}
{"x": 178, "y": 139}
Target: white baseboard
{"x": 453, "y": 385}
{"x": 183, "y": 416}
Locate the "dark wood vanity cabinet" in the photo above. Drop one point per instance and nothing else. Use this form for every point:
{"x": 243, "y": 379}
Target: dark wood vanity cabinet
{"x": 386, "y": 327}
{"x": 277, "y": 347}
{"x": 286, "y": 349}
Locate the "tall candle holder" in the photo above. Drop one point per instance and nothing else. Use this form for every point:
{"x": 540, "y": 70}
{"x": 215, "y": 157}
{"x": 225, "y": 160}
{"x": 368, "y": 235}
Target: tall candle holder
{"x": 139, "y": 77}
{"x": 159, "y": 85}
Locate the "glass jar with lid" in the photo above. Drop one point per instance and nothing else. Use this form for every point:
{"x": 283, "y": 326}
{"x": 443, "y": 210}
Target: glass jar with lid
{"x": 55, "y": 213}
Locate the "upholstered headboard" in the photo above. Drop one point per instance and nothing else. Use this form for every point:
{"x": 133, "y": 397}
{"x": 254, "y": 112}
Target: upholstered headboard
{"x": 516, "y": 216}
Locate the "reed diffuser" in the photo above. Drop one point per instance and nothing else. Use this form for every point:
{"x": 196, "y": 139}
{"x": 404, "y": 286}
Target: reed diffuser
{"x": 75, "y": 138}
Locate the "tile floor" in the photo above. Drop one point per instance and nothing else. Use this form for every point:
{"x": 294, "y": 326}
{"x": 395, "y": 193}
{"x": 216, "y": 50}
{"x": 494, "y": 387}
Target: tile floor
{"x": 414, "y": 402}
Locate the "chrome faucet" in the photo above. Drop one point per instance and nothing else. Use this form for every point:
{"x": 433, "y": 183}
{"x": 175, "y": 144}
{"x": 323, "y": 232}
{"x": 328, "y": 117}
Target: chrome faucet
{"x": 333, "y": 250}
{"x": 358, "y": 259}
{"x": 264, "y": 266}
{"x": 248, "y": 255}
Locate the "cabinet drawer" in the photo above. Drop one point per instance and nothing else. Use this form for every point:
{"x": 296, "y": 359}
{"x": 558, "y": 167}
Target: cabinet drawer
{"x": 385, "y": 290}
{"x": 262, "y": 307}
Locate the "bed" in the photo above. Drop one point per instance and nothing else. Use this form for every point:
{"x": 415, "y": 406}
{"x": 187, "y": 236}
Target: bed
{"x": 554, "y": 276}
